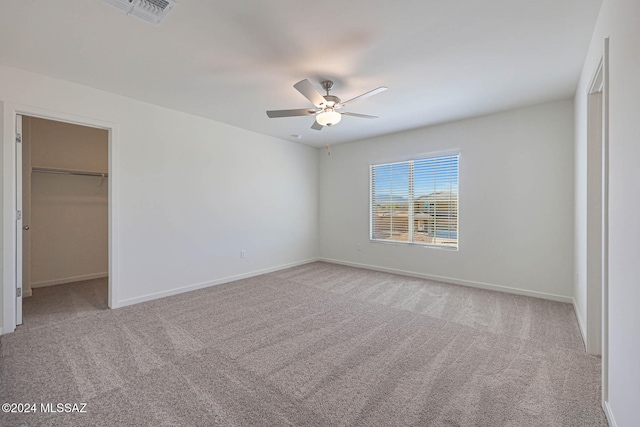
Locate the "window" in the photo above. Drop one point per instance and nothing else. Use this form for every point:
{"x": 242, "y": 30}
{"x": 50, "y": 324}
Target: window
{"x": 416, "y": 201}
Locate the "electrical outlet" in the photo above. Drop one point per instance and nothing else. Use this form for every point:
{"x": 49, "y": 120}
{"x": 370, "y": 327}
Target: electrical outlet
{"x": 243, "y": 254}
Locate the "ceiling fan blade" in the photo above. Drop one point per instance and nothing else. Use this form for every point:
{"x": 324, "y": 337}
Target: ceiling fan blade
{"x": 316, "y": 126}
{"x": 366, "y": 95}
{"x": 291, "y": 113}
{"x": 310, "y": 92}
{"x": 364, "y": 116}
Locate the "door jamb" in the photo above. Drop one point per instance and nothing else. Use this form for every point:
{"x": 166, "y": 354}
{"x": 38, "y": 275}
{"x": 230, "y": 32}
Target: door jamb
{"x": 605, "y": 227}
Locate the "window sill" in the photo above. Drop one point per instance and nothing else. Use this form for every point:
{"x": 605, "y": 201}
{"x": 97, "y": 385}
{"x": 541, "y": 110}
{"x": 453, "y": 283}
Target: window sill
{"x": 423, "y": 245}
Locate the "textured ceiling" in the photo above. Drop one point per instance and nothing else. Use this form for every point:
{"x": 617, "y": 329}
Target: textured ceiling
{"x": 232, "y": 60}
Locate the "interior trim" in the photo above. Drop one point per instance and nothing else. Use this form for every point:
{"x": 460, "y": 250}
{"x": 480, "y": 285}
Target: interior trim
{"x": 473, "y": 284}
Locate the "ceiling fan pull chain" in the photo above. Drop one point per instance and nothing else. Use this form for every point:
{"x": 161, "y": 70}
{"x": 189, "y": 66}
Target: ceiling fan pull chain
{"x": 328, "y": 140}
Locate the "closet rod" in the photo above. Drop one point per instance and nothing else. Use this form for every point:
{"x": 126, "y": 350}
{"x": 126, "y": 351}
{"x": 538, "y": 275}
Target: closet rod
{"x": 69, "y": 172}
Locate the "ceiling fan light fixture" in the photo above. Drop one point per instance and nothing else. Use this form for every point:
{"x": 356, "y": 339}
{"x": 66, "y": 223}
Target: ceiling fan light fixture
{"x": 328, "y": 117}
{"x": 325, "y": 106}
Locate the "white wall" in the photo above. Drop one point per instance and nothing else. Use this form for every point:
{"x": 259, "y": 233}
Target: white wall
{"x": 191, "y": 192}
{"x": 516, "y": 201}
{"x": 619, "y": 21}
{"x": 69, "y": 216}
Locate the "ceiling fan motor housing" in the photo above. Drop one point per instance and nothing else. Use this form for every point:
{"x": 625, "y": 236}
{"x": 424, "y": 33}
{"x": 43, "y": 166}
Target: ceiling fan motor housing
{"x": 331, "y": 100}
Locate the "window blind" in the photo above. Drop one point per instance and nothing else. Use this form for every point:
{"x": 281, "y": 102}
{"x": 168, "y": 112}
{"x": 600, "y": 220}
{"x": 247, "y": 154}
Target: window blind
{"x": 415, "y": 201}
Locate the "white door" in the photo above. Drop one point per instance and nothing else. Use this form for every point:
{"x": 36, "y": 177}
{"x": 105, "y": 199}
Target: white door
{"x": 19, "y": 229}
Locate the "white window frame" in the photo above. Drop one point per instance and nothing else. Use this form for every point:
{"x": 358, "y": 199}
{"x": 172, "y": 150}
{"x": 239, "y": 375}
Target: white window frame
{"x": 411, "y": 201}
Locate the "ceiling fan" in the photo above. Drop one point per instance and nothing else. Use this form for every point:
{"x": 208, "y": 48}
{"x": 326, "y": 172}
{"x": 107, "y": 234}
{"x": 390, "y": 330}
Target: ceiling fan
{"x": 326, "y": 106}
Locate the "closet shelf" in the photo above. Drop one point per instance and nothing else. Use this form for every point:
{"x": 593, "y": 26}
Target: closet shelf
{"x": 61, "y": 171}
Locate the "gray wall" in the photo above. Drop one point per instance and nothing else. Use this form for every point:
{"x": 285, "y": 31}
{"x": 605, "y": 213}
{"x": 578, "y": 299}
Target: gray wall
{"x": 189, "y": 193}
{"x": 618, "y": 20}
{"x": 515, "y": 203}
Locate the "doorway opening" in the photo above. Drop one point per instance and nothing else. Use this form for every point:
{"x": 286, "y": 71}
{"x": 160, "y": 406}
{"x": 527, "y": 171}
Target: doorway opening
{"x": 597, "y": 306}
{"x": 12, "y": 225}
{"x": 595, "y": 178}
{"x": 65, "y": 217}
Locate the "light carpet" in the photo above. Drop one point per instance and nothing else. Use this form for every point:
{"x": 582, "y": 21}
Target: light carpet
{"x": 315, "y": 345}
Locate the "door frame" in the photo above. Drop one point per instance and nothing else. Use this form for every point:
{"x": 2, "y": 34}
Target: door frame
{"x": 10, "y": 111}
{"x": 19, "y": 219}
{"x": 597, "y": 309}
{"x": 605, "y": 227}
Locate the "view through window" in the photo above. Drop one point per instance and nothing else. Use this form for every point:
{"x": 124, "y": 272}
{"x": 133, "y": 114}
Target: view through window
{"x": 416, "y": 201}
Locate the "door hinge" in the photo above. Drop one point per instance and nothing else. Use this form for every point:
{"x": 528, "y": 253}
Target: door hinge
{"x": 18, "y": 292}
{"x": 19, "y": 138}
{"x": 19, "y": 215}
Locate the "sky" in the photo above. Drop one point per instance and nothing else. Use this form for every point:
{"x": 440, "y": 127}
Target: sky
{"x": 429, "y": 176}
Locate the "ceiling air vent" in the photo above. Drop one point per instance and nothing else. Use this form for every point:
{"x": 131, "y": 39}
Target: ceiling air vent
{"x": 151, "y": 11}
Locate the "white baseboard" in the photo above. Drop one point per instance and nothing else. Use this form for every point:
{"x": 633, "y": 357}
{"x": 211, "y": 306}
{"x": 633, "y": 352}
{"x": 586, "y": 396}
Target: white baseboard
{"x": 194, "y": 287}
{"x": 26, "y": 293}
{"x": 68, "y": 280}
{"x": 469, "y": 283}
{"x": 581, "y": 324}
{"x": 609, "y": 413}
{"x": 1, "y": 331}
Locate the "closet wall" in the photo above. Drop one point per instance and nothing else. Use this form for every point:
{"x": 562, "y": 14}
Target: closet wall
{"x": 69, "y": 213}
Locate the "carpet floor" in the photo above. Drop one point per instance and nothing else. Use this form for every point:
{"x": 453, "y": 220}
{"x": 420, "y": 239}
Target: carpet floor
{"x": 315, "y": 345}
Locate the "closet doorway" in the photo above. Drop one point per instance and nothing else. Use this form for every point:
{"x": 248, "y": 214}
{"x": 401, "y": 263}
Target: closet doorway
{"x": 65, "y": 219}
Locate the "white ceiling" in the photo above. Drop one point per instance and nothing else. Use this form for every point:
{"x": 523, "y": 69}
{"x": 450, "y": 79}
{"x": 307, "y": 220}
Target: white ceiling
{"x": 232, "y": 60}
